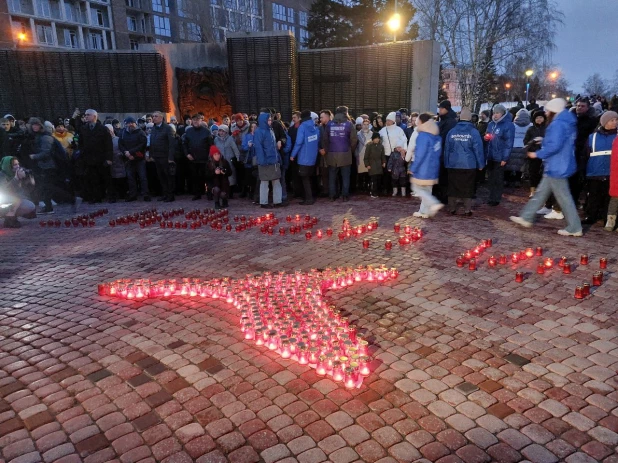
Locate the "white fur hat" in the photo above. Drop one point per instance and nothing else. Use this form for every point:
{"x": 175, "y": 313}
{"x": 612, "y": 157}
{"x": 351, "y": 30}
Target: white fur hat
{"x": 557, "y": 105}
{"x": 392, "y": 116}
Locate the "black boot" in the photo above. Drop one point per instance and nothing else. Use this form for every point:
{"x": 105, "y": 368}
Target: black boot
{"x": 217, "y": 205}
{"x": 11, "y": 222}
{"x": 224, "y": 203}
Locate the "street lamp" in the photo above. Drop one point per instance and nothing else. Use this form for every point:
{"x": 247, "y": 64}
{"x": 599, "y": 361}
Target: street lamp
{"x": 394, "y": 23}
{"x": 508, "y": 90}
{"x": 529, "y": 73}
{"x": 553, "y": 75}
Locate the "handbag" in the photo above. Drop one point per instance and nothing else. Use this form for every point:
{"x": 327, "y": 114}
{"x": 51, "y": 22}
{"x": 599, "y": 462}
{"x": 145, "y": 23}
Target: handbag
{"x": 270, "y": 172}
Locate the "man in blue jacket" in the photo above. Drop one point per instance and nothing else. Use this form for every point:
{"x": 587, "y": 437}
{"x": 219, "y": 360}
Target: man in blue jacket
{"x": 306, "y": 152}
{"x": 268, "y": 159}
{"x": 500, "y": 137}
{"x": 463, "y": 157}
{"x": 558, "y": 155}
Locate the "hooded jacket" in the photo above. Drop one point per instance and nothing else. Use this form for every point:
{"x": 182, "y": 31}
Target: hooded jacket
{"x": 306, "y": 147}
{"x": 393, "y": 137}
{"x": 264, "y": 143}
{"x": 339, "y": 140}
{"x": 502, "y": 133}
{"x": 363, "y": 139}
{"x": 229, "y": 151}
{"x": 464, "y": 148}
{"x": 426, "y": 166}
{"x": 41, "y": 146}
{"x": 197, "y": 143}
{"x": 520, "y": 125}
{"x": 238, "y": 133}
{"x": 600, "y": 148}
{"x": 558, "y": 148}
{"x": 446, "y": 124}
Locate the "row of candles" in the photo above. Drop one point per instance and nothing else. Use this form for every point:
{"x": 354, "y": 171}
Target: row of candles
{"x": 85, "y": 220}
{"x": 284, "y": 312}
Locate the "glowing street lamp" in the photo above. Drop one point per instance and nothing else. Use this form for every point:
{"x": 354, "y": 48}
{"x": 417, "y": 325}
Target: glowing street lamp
{"x": 553, "y": 75}
{"x": 394, "y": 24}
{"x": 529, "y": 73}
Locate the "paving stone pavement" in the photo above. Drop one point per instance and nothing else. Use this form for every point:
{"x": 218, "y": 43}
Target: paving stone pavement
{"x": 93, "y": 379}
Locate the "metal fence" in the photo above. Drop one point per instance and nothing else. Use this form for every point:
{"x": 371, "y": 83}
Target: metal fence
{"x": 51, "y": 84}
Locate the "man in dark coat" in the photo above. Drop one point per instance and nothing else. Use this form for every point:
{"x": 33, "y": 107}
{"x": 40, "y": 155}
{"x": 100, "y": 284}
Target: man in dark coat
{"x": 587, "y": 122}
{"x": 162, "y": 149}
{"x": 448, "y": 120}
{"x": 196, "y": 142}
{"x": 132, "y": 143}
{"x": 96, "y": 148}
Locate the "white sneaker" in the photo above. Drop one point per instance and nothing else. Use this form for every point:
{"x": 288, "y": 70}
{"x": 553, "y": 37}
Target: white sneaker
{"x": 568, "y": 233}
{"x": 41, "y": 204}
{"x": 520, "y": 221}
{"x": 54, "y": 203}
{"x": 419, "y": 215}
{"x": 543, "y": 211}
{"x": 555, "y": 215}
{"x": 433, "y": 210}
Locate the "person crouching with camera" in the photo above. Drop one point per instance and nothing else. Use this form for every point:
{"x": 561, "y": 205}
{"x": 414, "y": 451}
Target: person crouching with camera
{"x": 218, "y": 171}
{"x": 14, "y": 183}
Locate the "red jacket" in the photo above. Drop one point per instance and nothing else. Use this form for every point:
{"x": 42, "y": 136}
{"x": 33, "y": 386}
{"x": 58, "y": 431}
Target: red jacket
{"x": 613, "y": 170}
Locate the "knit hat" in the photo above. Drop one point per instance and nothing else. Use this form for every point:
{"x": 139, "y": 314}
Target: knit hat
{"x": 375, "y": 135}
{"x": 557, "y": 105}
{"x": 391, "y": 116}
{"x": 359, "y": 121}
{"x": 445, "y": 104}
{"x": 238, "y": 117}
{"x": 608, "y": 116}
{"x": 213, "y": 150}
{"x": 465, "y": 114}
{"x": 214, "y": 128}
{"x": 35, "y": 121}
{"x": 398, "y": 113}
{"x": 10, "y": 117}
{"x": 224, "y": 127}
{"x": 129, "y": 120}
{"x": 48, "y": 125}
{"x": 499, "y": 109}
{"x": 110, "y": 128}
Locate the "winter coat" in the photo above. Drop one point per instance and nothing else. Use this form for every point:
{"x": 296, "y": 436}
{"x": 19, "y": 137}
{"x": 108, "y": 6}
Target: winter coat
{"x": 95, "y": 144}
{"x": 363, "y": 140}
{"x": 306, "y": 147}
{"x": 238, "y": 133}
{"x": 134, "y": 142}
{"x": 264, "y": 143}
{"x": 162, "y": 144}
{"x": 374, "y": 158}
{"x": 558, "y": 148}
{"x": 66, "y": 140}
{"x": 446, "y": 124}
{"x": 426, "y": 166}
{"x": 412, "y": 146}
{"x": 501, "y": 143}
{"x": 118, "y": 167}
{"x": 197, "y": 142}
{"x": 613, "y": 170}
{"x": 229, "y": 151}
{"x": 339, "y": 141}
{"x": 248, "y": 150}
{"x": 464, "y": 148}
{"x": 586, "y": 124}
{"x": 600, "y": 148}
{"x": 41, "y": 145}
{"x": 534, "y": 131}
{"x": 219, "y": 180}
{"x": 397, "y": 166}
{"x": 518, "y": 153}
{"x": 393, "y": 137}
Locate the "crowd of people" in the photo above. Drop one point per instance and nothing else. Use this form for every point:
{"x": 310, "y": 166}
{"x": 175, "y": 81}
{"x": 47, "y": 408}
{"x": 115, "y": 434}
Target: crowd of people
{"x": 564, "y": 153}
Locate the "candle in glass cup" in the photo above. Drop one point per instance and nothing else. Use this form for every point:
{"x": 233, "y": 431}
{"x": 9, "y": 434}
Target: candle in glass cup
{"x": 308, "y": 235}
{"x": 492, "y": 261}
{"x": 566, "y": 269}
{"x": 603, "y": 263}
{"x": 366, "y": 243}
{"x": 597, "y": 279}
{"x": 460, "y": 261}
{"x": 579, "y": 292}
{"x": 540, "y": 269}
{"x": 515, "y": 257}
{"x": 539, "y": 251}
{"x": 529, "y": 253}
{"x": 388, "y": 245}
{"x": 502, "y": 259}
{"x": 472, "y": 264}
{"x": 519, "y": 277}
{"x": 548, "y": 262}
{"x": 583, "y": 260}
{"x": 397, "y": 228}
{"x": 318, "y": 233}
{"x": 562, "y": 261}
{"x": 586, "y": 289}
{"x": 488, "y": 243}
{"x": 329, "y": 232}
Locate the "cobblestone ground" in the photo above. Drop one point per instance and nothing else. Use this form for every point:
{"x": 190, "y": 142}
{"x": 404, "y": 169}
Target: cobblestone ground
{"x": 93, "y": 379}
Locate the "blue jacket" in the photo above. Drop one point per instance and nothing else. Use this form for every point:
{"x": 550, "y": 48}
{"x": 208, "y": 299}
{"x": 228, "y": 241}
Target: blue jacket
{"x": 600, "y": 144}
{"x": 248, "y": 137}
{"x": 426, "y": 166}
{"x": 558, "y": 147}
{"x": 306, "y": 148}
{"x": 503, "y": 135}
{"x": 464, "y": 148}
{"x": 264, "y": 143}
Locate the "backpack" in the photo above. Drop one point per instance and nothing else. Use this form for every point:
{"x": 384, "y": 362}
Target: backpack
{"x": 61, "y": 159}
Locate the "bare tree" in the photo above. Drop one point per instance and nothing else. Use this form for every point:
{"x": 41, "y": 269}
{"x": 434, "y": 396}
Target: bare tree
{"x": 195, "y": 21}
{"x": 596, "y": 85}
{"x": 478, "y": 37}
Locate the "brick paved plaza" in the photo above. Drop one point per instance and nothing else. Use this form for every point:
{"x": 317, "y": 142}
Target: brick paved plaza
{"x": 95, "y": 379}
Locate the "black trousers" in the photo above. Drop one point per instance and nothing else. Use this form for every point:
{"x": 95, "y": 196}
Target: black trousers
{"x": 375, "y": 181}
{"x": 305, "y": 176}
{"x": 52, "y": 186}
{"x": 198, "y": 178}
{"x": 598, "y": 197}
{"x": 95, "y": 182}
{"x": 167, "y": 177}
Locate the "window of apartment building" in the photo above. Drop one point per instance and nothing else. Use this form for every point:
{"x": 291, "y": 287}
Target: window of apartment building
{"x": 304, "y": 36}
{"x": 133, "y": 3}
{"x": 74, "y": 12}
{"x": 20, "y": 27}
{"x": 20, "y": 6}
{"x": 162, "y": 41}
{"x": 303, "y": 18}
{"x": 44, "y": 34}
{"x": 70, "y": 38}
{"x": 290, "y": 15}
{"x": 96, "y": 41}
{"x": 192, "y": 32}
{"x": 279, "y": 12}
{"x": 132, "y": 23}
{"x": 256, "y": 7}
{"x": 219, "y": 17}
{"x": 43, "y": 8}
{"x": 143, "y": 24}
{"x": 162, "y": 26}
{"x": 215, "y": 2}
{"x": 161, "y": 6}
{"x": 133, "y": 44}
{"x": 256, "y": 24}
{"x": 99, "y": 17}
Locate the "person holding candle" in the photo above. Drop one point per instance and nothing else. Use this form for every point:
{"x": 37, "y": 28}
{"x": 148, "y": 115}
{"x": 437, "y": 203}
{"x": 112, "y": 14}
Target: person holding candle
{"x": 375, "y": 161}
{"x": 612, "y": 209}
{"x": 597, "y": 169}
{"x": 426, "y": 166}
{"x": 306, "y": 153}
{"x": 463, "y": 157}
{"x": 532, "y": 142}
{"x": 218, "y": 171}
{"x": 558, "y": 155}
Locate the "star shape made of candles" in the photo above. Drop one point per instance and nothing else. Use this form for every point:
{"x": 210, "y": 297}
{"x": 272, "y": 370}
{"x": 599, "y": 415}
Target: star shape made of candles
{"x": 284, "y": 312}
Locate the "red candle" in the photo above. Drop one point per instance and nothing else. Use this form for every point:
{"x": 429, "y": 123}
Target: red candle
{"x": 318, "y": 233}
{"x": 308, "y": 235}
{"x": 365, "y": 243}
{"x": 42, "y": 223}
{"x": 472, "y": 264}
{"x": 515, "y": 258}
{"x": 492, "y": 261}
{"x": 397, "y": 228}
{"x": 529, "y": 253}
{"x": 522, "y": 255}
{"x": 112, "y": 223}
{"x": 579, "y": 292}
{"x": 67, "y": 223}
{"x": 583, "y": 259}
{"x": 460, "y": 261}
{"x": 408, "y": 229}
{"x": 281, "y": 231}
{"x": 488, "y": 243}
{"x": 402, "y": 240}
{"x": 540, "y": 269}
{"x": 586, "y": 289}
{"x": 162, "y": 224}
{"x": 388, "y": 245}
{"x": 566, "y": 269}
{"x": 549, "y": 262}
{"x": 563, "y": 261}
{"x": 228, "y": 227}
{"x": 341, "y": 236}
{"x": 519, "y": 277}
{"x": 603, "y": 263}
{"x": 597, "y": 279}
{"x": 539, "y": 251}
{"x": 502, "y": 259}
{"x": 329, "y": 232}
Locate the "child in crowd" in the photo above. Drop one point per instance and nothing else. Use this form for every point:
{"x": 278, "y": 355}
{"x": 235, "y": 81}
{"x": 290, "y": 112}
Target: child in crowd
{"x": 397, "y": 168}
{"x": 375, "y": 161}
{"x": 218, "y": 170}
